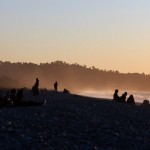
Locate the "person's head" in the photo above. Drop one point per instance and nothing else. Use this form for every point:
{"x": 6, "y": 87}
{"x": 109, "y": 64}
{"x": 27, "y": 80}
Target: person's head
{"x": 131, "y": 96}
{"x": 116, "y": 91}
{"x": 13, "y": 91}
{"x": 125, "y": 93}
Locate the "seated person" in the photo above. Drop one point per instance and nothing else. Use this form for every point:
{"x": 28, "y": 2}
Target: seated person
{"x": 13, "y": 94}
{"x": 19, "y": 100}
{"x": 130, "y": 100}
{"x": 115, "y": 96}
{"x": 66, "y": 91}
{"x": 123, "y": 97}
{"x": 145, "y": 103}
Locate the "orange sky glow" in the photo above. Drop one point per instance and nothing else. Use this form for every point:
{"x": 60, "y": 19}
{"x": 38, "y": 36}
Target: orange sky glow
{"x": 108, "y": 35}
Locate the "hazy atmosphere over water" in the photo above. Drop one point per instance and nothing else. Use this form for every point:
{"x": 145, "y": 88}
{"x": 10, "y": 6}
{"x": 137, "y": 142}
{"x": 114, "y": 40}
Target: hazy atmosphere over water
{"x": 107, "y": 34}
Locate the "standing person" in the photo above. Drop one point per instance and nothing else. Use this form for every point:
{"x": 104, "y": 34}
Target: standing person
{"x": 56, "y": 86}
{"x": 35, "y": 88}
{"x": 115, "y": 96}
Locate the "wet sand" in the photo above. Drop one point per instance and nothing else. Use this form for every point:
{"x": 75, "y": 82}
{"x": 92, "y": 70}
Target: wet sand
{"x": 72, "y": 122}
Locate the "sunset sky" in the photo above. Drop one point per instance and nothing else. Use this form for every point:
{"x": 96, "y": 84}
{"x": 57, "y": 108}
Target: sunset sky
{"x": 107, "y": 34}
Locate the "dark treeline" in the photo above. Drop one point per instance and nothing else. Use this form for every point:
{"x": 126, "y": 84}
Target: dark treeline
{"x": 71, "y": 76}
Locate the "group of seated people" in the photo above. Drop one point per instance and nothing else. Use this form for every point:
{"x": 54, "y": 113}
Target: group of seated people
{"x": 15, "y": 97}
{"x": 122, "y": 98}
{"x": 23, "y": 97}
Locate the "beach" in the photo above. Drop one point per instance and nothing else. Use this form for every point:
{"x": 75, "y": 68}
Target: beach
{"x": 73, "y": 122}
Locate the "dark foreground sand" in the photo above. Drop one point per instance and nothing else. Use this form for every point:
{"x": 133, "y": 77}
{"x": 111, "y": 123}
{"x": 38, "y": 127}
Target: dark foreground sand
{"x": 75, "y": 123}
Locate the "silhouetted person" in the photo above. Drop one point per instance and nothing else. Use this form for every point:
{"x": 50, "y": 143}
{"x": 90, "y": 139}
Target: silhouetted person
{"x": 13, "y": 95}
{"x": 19, "y": 97}
{"x": 145, "y": 104}
{"x": 4, "y": 98}
{"x": 115, "y": 96}
{"x": 7, "y": 96}
{"x": 123, "y": 97}
{"x": 56, "y": 86}
{"x": 35, "y": 88}
{"x": 130, "y": 100}
{"x": 66, "y": 91}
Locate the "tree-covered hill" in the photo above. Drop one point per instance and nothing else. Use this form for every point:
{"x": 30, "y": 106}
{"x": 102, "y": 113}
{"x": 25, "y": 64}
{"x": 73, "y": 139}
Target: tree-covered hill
{"x": 71, "y": 76}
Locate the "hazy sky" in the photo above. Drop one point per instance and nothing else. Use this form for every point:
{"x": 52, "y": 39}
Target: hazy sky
{"x": 107, "y": 34}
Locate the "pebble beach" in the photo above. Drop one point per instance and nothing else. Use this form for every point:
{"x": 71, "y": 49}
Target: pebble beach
{"x": 73, "y": 122}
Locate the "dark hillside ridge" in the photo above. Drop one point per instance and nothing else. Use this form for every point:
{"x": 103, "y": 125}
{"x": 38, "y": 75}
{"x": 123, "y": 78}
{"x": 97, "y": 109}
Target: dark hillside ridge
{"x": 71, "y": 76}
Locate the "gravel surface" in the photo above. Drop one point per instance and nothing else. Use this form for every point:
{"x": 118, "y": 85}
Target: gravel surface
{"x": 71, "y": 122}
